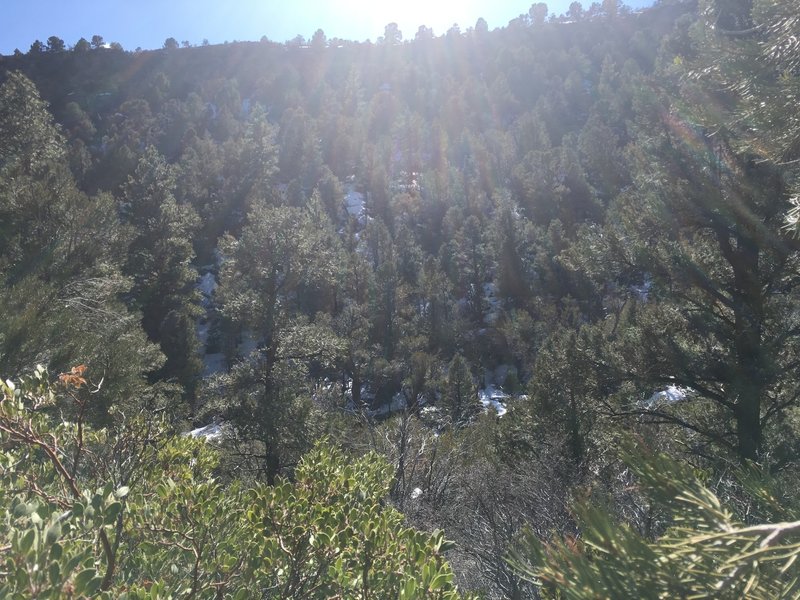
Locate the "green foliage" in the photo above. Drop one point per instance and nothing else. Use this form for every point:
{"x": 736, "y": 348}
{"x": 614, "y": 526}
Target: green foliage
{"x": 34, "y": 178}
{"x": 704, "y": 552}
{"x": 560, "y": 394}
{"x": 558, "y": 198}
{"x": 751, "y": 49}
{"x": 701, "y": 228}
{"x": 282, "y": 252}
{"x": 329, "y": 534}
{"x": 460, "y": 397}
{"x": 158, "y": 261}
{"x": 69, "y": 529}
{"x": 59, "y": 260}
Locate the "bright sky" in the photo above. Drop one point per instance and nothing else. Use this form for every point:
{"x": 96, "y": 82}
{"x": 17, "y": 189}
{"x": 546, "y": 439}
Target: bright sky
{"x": 147, "y": 23}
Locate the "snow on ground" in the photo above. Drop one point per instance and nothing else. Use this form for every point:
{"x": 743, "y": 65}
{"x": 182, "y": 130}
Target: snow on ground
{"x": 495, "y": 398}
{"x": 354, "y": 201}
{"x": 430, "y": 411}
{"x": 643, "y": 291}
{"x": 367, "y": 395}
{"x": 669, "y": 395}
{"x": 207, "y": 284}
{"x": 203, "y": 328}
{"x": 212, "y": 432}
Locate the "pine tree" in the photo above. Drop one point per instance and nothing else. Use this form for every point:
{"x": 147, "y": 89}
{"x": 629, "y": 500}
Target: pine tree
{"x": 159, "y": 262}
{"x": 280, "y": 250}
{"x": 749, "y": 54}
{"x": 460, "y": 396}
{"x": 61, "y": 252}
{"x": 34, "y": 177}
{"x": 707, "y": 227}
{"x": 705, "y": 552}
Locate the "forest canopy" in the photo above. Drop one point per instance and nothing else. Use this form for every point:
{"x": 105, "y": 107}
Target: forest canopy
{"x": 509, "y": 313}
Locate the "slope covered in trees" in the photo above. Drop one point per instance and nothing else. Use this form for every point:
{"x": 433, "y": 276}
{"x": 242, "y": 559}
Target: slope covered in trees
{"x": 489, "y": 257}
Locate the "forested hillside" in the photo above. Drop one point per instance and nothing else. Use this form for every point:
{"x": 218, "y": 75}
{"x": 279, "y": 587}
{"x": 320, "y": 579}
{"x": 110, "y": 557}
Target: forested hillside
{"x": 534, "y": 286}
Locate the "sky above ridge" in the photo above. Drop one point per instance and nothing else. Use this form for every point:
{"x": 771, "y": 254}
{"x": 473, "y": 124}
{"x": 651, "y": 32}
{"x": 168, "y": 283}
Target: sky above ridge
{"x": 147, "y": 23}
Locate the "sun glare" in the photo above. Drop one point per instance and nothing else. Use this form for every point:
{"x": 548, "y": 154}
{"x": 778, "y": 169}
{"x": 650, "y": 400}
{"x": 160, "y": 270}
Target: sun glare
{"x": 410, "y": 14}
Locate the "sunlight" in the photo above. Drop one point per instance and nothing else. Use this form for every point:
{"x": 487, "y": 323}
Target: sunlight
{"x": 409, "y": 15}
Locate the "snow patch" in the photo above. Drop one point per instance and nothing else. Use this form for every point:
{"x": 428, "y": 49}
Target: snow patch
{"x": 669, "y": 395}
{"x": 493, "y": 398}
{"x": 207, "y": 284}
{"x": 429, "y": 411}
{"x": 353, "y": 201}
{"x": 211, "y": 432}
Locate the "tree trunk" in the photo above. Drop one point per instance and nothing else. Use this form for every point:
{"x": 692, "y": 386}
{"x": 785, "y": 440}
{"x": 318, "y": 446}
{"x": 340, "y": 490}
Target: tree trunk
{"x": 750, "y": 381}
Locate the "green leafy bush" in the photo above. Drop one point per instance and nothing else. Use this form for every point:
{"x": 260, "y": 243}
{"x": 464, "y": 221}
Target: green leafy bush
{"x": 136, "y": 513}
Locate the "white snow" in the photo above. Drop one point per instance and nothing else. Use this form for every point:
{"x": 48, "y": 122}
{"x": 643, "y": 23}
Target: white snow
{"x": 495, "y": 398}
{"x": 668, "y": 395}
{"x": 324, "y": 389}
{"x": 405, "y": 181}
{"x": 353, "y": 201}
{"x": 415, "y": 493}
{"x": 207, "y": 284}
{"x": 211, "y": 432}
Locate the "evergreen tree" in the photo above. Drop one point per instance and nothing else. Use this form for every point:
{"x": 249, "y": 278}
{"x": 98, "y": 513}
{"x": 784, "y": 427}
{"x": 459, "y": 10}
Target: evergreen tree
{"x": 436, "y": 309}
{"x": 472, "y": 261}
{"x": 704, "y": 552}
{"x": 384, "y": 295}
{"x": 560, "y": 393}
{"x": 159, "y": 258}
{"x": 280, "y": 250}
{"x": 61, "y": 253}
{"x": 460, "y": 396}
{"x": 750, "y": 49}
{"x": 34, "y": 177}
{"x": 509, "y": 241}
{"x": 707, "y": 228}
